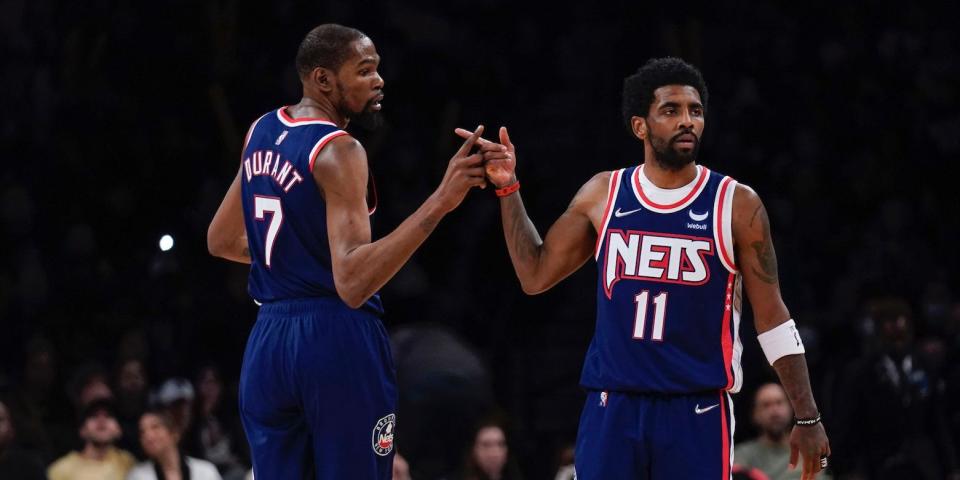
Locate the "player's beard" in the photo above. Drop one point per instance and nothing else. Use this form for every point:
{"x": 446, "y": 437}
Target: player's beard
{"x": 666, "y": 154}
{"x": 368, "y": 118}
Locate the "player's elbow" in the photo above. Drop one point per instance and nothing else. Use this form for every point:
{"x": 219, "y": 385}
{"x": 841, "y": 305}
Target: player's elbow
{"x": 215, "y": 243}
{"x": 533, "y": 287}
{"x": 351, "y": 292}
{"x": 353, "y": 300}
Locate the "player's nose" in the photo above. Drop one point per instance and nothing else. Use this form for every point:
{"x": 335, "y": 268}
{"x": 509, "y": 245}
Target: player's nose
{"x": 686, "y": 120}
{"x": 378, "y": 81}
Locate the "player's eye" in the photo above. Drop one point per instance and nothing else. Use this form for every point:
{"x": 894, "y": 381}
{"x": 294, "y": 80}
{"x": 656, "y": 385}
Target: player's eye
{"x": 365, "y": 72}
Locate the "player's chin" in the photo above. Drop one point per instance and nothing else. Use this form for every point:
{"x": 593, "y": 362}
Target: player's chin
{"x": 369, "y": 118}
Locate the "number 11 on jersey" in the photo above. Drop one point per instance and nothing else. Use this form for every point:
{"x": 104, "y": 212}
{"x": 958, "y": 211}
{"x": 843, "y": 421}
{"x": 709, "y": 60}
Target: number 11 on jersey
{"x": 659, "y": 313}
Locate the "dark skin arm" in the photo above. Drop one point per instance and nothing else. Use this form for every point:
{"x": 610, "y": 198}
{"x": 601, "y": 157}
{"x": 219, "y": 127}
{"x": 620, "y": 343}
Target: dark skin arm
{"x": 361, "y": 266}
{"x": 227, "y": 236}
{"x": 757, "y": 262}
{"x": 542, "y": 263}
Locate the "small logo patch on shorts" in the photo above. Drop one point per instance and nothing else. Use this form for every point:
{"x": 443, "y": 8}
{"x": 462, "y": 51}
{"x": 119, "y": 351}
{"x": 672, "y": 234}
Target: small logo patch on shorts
{"x": 603, "y": 399}
{"x": 383, "y": 435}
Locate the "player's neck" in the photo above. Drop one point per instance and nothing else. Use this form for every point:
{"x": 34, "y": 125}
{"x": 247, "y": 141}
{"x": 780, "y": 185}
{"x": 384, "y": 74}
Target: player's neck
{"x": 310, "y": 107}
{"x": 667, "y": 178}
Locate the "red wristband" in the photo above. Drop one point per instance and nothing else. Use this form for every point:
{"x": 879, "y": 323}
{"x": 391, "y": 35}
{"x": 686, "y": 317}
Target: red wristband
{"x": 503, "y": 192}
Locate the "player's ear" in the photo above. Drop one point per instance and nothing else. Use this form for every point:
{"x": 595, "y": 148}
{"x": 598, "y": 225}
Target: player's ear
{"x": 322, "y": 78}
{"x": 639, "y": 127}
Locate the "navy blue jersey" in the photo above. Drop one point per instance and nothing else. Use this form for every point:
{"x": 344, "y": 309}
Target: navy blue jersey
{"x": 668, "y": 296}
{"x": 284, "y": 213}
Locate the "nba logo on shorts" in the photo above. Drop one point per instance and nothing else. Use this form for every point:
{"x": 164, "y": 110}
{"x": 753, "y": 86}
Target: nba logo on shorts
{"x": 383, "y": 435}
{"x": 603, "y": 399}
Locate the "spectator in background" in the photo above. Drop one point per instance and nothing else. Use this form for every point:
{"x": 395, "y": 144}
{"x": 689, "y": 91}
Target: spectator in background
{"x": 900, "y": 425}
{"x": 88, "y": 384}
{"x": 15, "y": 464}
{"x": 401, "y": 469}
{"x": 176, "y": 396}
{"x": 37, "y": 409}
{"x": 99, "y": 459}
{"x": 130, "y": 384}
{"x": 161, "y": 442}
{"x": 740, "y": 472}
{"x": 216, "y": 433}
{"x": 770, "y": 452}
{"x": 489, "y": 457}
{"x": 565, "y": 465}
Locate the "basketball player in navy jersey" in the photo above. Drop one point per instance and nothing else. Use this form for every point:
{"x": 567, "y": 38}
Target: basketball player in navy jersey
{"x": 318, "y": 392}
{"x": 674, "y": 242}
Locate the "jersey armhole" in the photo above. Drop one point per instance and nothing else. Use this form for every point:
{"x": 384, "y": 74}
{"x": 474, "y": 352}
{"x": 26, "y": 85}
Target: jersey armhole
{"x": 324, "y": 140}
{"x": 246, "y": 139}
{"x": 613, "y": 188}
{"x": 723, "y": 223}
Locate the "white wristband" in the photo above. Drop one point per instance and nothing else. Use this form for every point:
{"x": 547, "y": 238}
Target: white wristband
{"x": 782, "y": 340}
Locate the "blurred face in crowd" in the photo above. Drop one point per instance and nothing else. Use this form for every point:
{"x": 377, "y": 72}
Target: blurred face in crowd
{"x": 490, "y": 450}
{"x": 6, "y": 427}
{"x": 772, "y": 412}
{"x": 401, "y": 470}
{"x": 40, "y": 371}
{"x": 896, "y": 333}
{"x": 131, "y": 380}
{"x": 673, "y": 126}
{"x": 156, "y": 435}
{"x": 359, "y": 85}
{"x": 100, "y": 429}
{"x": 95, "y": 389}
{"x": 209, "y": 388}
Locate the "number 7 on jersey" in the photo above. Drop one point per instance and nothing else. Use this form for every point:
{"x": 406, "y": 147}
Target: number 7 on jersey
{"x": 261, "y": 206}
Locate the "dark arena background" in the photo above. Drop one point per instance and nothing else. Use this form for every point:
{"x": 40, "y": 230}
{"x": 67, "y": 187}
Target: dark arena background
{"x": 122, "y": 124}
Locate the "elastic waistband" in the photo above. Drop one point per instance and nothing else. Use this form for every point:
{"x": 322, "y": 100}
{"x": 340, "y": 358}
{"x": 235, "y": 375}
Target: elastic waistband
{"x": 300, "y": 306}
{"x": 662, "y": 395}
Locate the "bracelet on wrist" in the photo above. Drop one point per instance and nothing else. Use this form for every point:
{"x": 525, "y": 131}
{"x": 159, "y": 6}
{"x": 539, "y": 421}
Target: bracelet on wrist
{"x": 507, "y": 190}
{"x": 807, "y": 422}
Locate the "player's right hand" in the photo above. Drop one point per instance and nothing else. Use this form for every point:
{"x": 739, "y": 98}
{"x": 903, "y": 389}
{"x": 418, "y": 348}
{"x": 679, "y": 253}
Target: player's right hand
{"x": 464, "y": 172}
{"x": 499, "y": 159}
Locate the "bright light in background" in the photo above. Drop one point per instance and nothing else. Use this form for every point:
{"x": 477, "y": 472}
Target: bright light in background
{"x": 166, "y": 243}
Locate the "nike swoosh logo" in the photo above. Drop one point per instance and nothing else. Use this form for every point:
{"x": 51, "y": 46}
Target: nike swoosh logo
{"x": 699, "y": 217}
{"x": 619, "y": 214}
{"x": 701, "y": 411}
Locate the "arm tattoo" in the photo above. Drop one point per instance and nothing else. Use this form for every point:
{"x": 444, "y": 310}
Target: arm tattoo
{"x": 428, "y": 224}
{"x": 764, "y": 249}
{"x": 245, "y": 253}
{"x": 792, "y": 370}
{"x": 521, "y": 233}
{"x": 754, "y": 216}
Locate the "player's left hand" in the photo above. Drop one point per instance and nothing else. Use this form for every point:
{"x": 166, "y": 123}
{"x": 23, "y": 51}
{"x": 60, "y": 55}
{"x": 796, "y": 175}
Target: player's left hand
{"x": 499, "y": 159}
{"x": 810, "y": 443}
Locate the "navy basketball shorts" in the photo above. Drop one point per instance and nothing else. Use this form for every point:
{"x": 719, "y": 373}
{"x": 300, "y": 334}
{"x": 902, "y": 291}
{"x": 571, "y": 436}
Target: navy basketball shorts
{"x": 641, "y": 436}
{"x": 318, "y": 392}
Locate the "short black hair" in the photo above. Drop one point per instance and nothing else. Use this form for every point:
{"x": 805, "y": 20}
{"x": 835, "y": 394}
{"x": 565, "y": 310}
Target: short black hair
{"x": 96, "y": 406}
{"x": 327, "y": 46}
{"x": 638, "y": 88}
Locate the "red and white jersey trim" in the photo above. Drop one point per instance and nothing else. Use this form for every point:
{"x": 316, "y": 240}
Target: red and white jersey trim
{"x": 613, "y": 188}
{"x": 324, "y": 140}
{"x": 298, "y": 122}
{"x": 737, "y": 345}
{"x": 648, "y": 198}
{"x": 723, "y": 221}
{"x": 246, "y": 140}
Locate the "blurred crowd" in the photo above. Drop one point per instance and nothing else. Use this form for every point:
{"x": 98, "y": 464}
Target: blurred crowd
{"x": 122, "y": 122}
